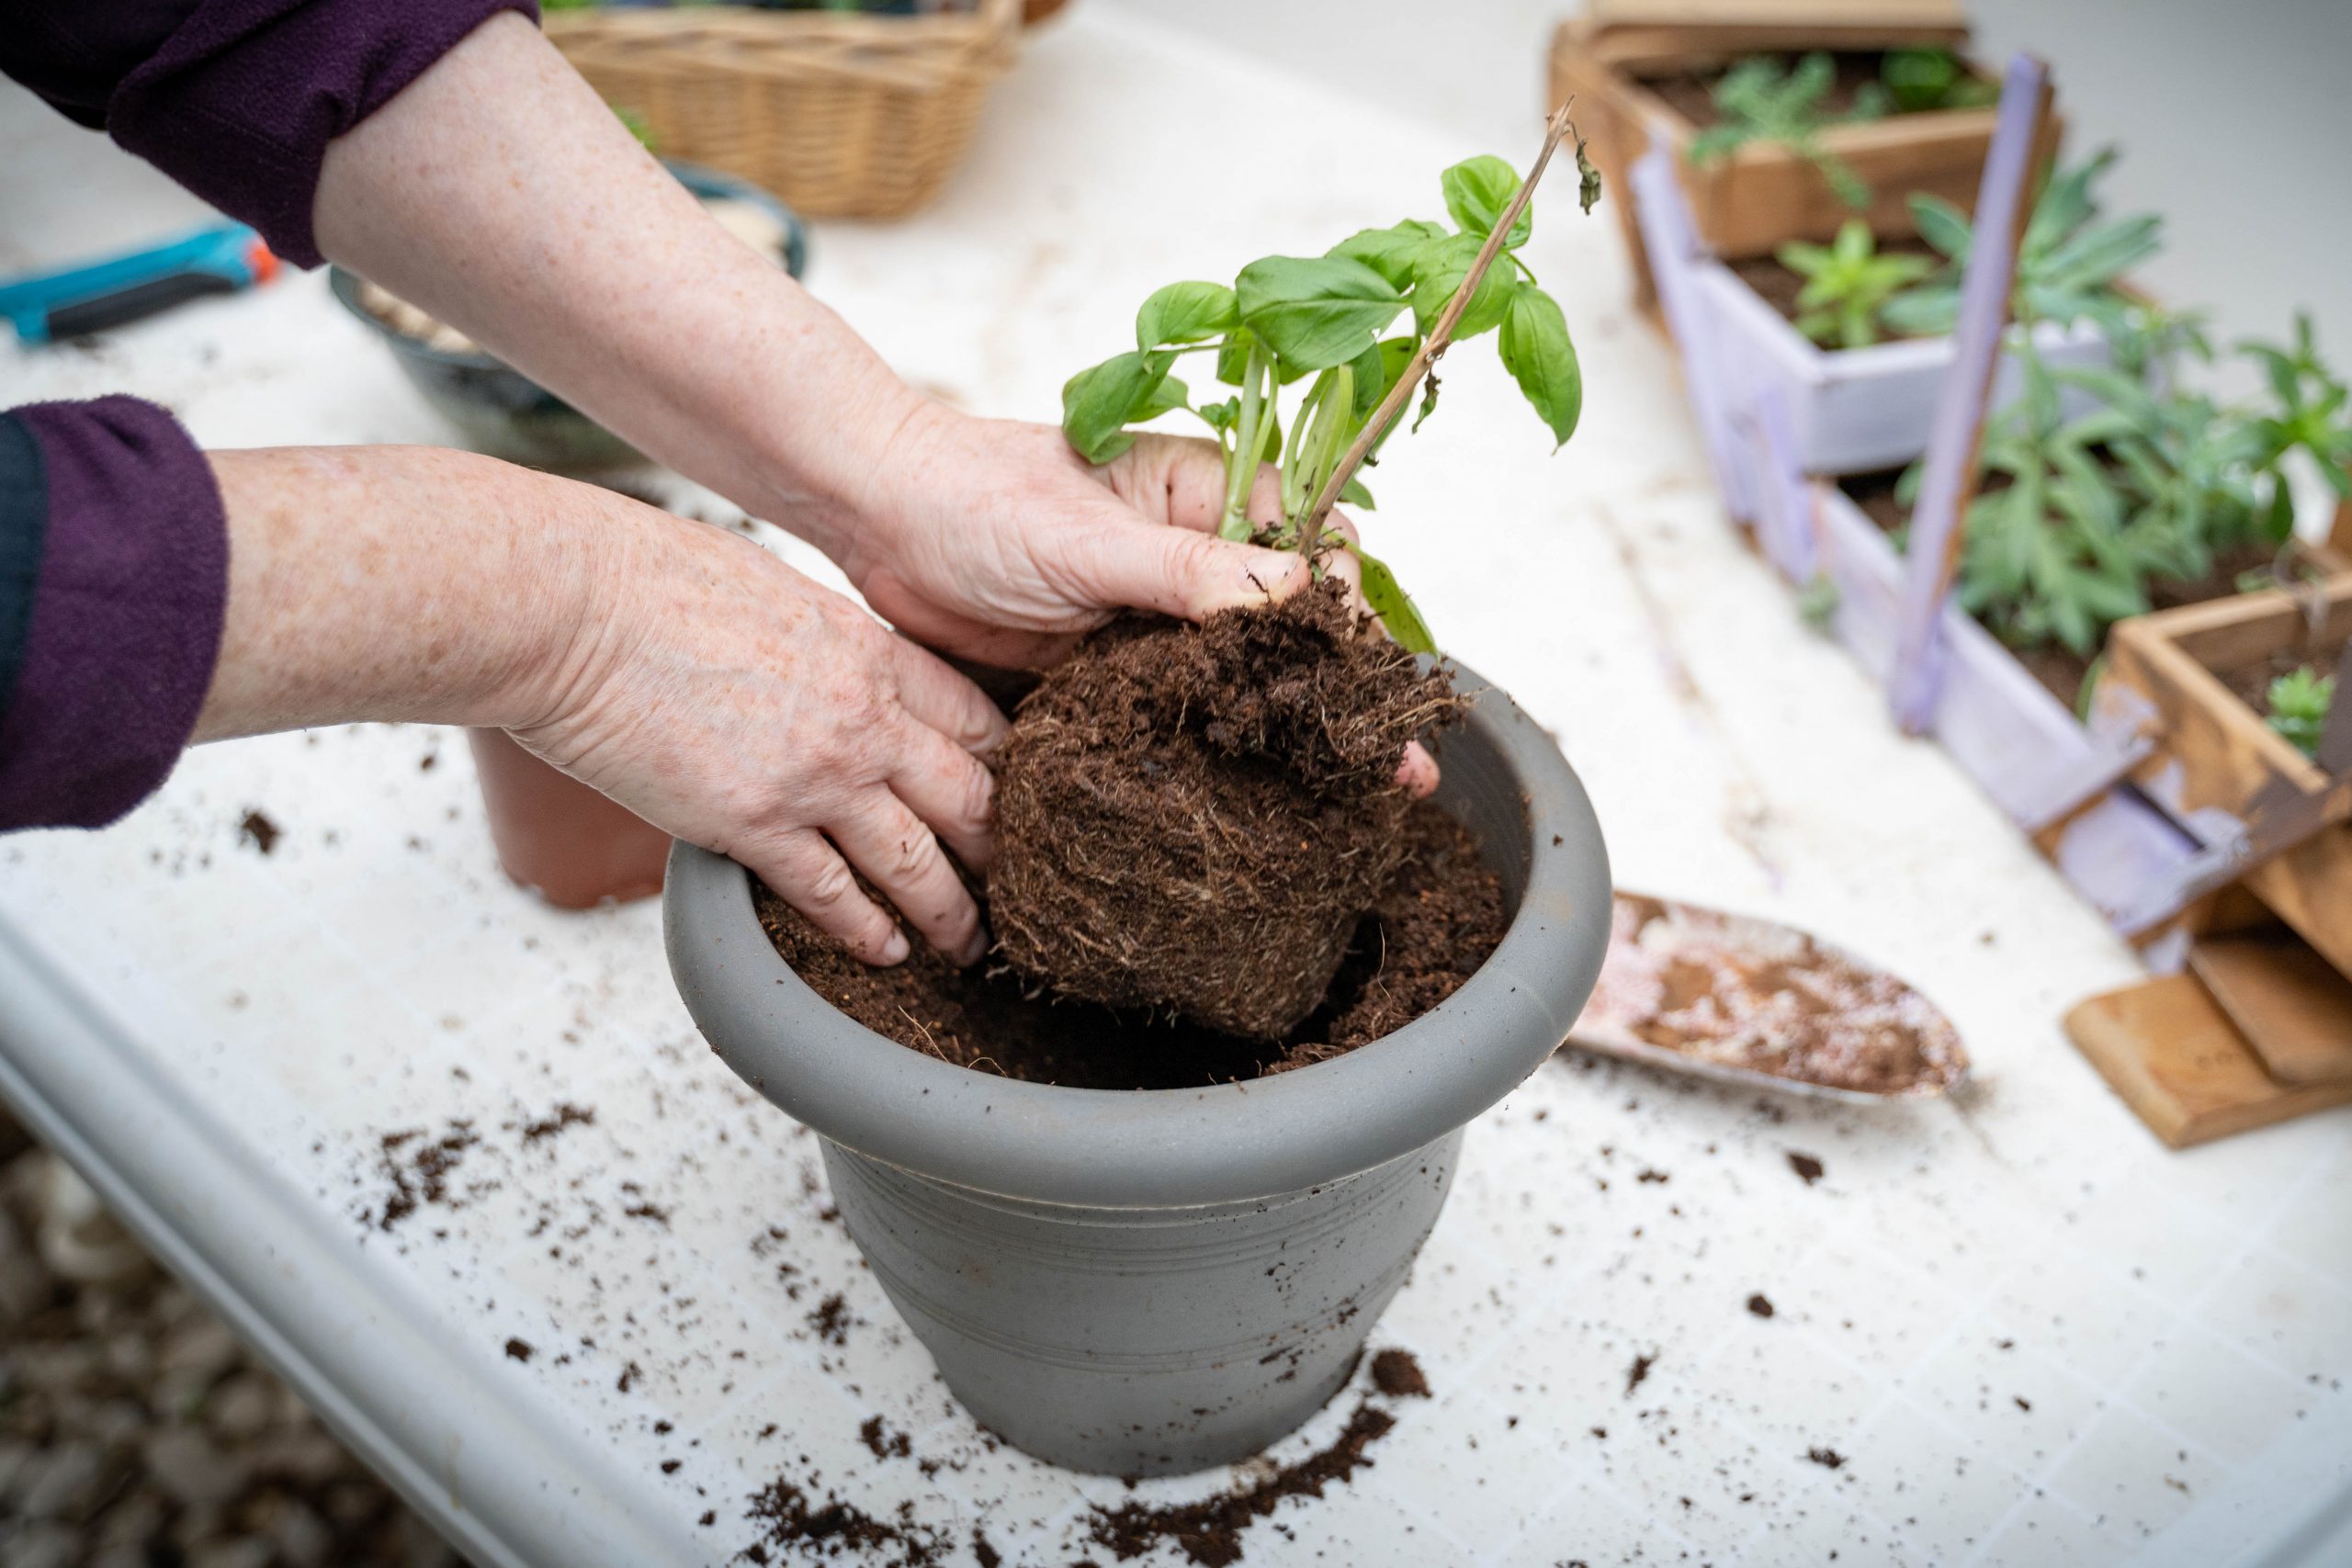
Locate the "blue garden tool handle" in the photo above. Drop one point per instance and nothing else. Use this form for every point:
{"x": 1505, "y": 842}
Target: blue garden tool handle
{"x": 219, "y": 259}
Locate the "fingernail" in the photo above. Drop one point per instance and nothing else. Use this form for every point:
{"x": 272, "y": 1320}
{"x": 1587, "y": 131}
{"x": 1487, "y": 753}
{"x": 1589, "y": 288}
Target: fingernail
{"x": 894, "y": 949}
{"x": 1263, "y": 576}
{"x": 974, "y": 950}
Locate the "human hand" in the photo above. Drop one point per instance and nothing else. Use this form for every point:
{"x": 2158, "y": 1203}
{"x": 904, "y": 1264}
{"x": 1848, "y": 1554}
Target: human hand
{"x": 993, "y": 540}
{"x": 733, "y": 703}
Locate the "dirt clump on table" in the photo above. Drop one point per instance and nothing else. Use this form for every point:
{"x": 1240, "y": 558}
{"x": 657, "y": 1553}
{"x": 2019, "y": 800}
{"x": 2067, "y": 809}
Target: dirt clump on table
{"x": 1396, "y": 1375}
{"x": 1209, "y": 1532}
{"x": 1439, "y": 916}
{"x": 1193, "y": 817}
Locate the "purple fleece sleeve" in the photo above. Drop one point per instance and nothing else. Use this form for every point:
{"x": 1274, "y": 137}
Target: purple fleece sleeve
{"x": 110, "y": 623}
{"x": 236, "y": 99}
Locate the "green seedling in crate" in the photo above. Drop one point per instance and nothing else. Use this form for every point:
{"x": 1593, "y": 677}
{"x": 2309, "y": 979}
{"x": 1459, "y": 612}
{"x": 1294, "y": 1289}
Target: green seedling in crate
{"x": 2299, "y": 703}
{"x": 1848, "y": 285}
{"x": 1757, "y": 101}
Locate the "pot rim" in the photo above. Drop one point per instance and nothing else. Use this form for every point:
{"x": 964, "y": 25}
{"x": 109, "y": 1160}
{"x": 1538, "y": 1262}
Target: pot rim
{"x": 1169, "y": 1147}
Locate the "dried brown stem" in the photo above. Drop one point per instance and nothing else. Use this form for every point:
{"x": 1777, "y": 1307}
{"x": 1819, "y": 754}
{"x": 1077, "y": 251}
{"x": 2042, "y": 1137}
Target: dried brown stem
{"x": 1556, "y": 130}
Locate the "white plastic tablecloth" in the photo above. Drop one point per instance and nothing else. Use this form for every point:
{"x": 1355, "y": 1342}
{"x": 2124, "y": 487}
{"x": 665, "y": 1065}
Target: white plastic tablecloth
{"x": 2025, "y": 1333}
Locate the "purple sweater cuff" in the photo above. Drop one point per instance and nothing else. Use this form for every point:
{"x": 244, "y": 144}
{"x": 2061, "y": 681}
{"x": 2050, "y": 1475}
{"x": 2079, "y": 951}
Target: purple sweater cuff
{"x": 238, "y": 102}
{"x": 126, "y": 613}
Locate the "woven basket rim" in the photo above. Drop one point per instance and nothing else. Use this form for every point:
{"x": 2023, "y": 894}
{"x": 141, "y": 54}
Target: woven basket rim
{"x": 908, "y": 52}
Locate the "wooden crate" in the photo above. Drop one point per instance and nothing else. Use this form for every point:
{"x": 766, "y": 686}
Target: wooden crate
{"x": 2215, "y": 766}
{"x": 1762, "y": 196}
{"x": 2176, "y": 1059}
{"x": 1854, "y": 410}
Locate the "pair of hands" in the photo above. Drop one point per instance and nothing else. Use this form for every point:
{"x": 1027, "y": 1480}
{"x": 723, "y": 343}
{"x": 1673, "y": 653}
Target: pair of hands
{"x": 736, "y": 704}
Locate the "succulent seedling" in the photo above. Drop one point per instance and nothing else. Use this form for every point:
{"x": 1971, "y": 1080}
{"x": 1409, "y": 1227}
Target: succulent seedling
{"x": 1847, "y": 285}
{"x": 2299, "y": 703}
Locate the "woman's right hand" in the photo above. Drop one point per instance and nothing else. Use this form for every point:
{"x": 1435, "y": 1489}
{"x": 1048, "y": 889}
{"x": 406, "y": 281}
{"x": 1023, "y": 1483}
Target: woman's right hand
{"x": 733, "y": 703}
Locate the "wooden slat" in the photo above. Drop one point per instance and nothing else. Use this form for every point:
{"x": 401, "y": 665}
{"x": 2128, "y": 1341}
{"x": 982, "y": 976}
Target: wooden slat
{"x": 1950, "y": 476}
{"x": 2173, "y": 1057}
{"x": 2288, "y": 1002}
{"x": 1703, "y": 14}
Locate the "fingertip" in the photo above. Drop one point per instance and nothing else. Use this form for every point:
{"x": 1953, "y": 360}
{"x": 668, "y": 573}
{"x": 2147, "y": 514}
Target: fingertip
{"x": 1416, "y": 772}
{"x": 894, "y": 951}
{"x": 1261, "y": 577}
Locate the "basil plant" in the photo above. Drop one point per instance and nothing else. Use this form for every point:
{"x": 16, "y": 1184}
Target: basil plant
{"x": 1348, "y": 324}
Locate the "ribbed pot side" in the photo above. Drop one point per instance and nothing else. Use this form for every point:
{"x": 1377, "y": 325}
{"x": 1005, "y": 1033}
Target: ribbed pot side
{"x": 1152, "y": 1281}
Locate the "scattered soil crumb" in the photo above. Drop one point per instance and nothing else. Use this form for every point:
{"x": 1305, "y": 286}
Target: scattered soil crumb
{"x": 1638, "y": 1374}
{"x": 832, "y": 1319}
{"x": 1759, "y": 1305}
{"x": 2023, "y": 1403}
{"x": 258, "y": 830}
{"x": 1658, "y": 1177}
{"x": 790, "y": 1521}
{"x": 1209, "y": 1532}
{"x": 985, "y": 1554}
{"x": 1809, "y": 1170}
{"x": 556, "y": 1120}
{"x": 629, "y": 1374}
{"x": 518, "y": 1350}
{"x": 420, "y": 1169}
{"x": 882, "y": 1442}
{"x": 1399, "y": 1375}
{"x": 1828, "y": 1459}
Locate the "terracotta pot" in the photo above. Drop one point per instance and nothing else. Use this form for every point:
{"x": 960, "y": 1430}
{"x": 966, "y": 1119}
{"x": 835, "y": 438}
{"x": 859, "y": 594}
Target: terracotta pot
{"x": 559, "y": 837}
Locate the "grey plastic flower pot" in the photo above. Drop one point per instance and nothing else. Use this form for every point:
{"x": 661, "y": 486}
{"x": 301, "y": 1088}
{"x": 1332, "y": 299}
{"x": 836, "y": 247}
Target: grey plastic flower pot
{"x": 1160, "y": 1280}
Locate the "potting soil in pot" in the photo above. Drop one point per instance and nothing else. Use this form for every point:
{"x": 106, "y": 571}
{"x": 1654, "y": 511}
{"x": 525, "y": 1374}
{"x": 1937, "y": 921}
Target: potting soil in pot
{"x": 1439, "y": 916}
{"x": 1194, "y": 818}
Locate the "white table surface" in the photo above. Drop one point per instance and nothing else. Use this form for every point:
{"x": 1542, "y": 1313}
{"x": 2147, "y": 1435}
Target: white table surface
{"x": 2034, "y": 1336}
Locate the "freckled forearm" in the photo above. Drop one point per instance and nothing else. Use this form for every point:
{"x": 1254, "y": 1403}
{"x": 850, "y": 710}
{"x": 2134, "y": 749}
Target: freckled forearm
{"x": 500, "y": 195}
{"x": 402, "y": 583}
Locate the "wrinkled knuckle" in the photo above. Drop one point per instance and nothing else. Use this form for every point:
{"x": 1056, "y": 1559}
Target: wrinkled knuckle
{"x": 830, "y": 886}
{"x": 911, "y": 852}
{"x": 976, "y": 802}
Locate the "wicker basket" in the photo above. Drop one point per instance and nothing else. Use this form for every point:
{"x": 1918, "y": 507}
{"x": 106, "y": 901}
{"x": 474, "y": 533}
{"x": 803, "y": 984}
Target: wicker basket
{"x": 842, "y": 114}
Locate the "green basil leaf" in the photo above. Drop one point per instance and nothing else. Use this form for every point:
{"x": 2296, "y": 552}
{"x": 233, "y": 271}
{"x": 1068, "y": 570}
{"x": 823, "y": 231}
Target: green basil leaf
{"x": 1354, "y": 494}
{"x": 1538, "y": 354}
{"x": 1390, "y": 251}
{"x": 1167, "y": 396}
{"x": 1477, "y": 191}
{"x": 1316, "y": 312}
{"x": 1098, "y": 402}
{"x": 1184, "y": 313}
{"x": 1440, "y": 271}
{"x": 1394, "y": 606}
{"x": 1371, "y": 369}
{"x": 1220, "y": 416}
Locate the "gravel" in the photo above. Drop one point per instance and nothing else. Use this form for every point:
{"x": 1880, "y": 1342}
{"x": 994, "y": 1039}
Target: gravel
{"x": 136, "y": 1432}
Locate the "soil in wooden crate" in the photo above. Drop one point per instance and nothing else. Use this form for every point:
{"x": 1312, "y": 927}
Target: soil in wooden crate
{"x": 2061, "y": 669}
{"x": 1689, "y": 92}
{"x": 1193, "y": 818}
{"x": 1436, "y": 921}
{"x": 1778, "y": 285}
